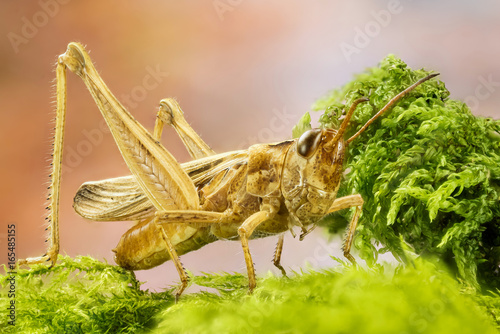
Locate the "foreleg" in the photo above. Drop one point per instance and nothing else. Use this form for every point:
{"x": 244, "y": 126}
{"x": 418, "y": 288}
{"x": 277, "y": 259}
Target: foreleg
{"x": 277, "y": 254}
{"x": 344, "y": 203}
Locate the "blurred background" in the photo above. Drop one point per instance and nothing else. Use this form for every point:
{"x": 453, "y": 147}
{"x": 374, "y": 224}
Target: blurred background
{"x": 243, "y": 71}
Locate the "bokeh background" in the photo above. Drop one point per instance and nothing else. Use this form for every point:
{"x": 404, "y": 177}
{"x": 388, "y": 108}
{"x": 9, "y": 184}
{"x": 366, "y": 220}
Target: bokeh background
{"x": 243, "y": 71}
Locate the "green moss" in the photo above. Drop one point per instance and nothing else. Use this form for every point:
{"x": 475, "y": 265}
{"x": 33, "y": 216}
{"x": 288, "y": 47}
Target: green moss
{"x": 79, "y": 295}
{"x": 428, "y": 170}
{"x": 83, "y": 295}
{"x": 346, "y": 300}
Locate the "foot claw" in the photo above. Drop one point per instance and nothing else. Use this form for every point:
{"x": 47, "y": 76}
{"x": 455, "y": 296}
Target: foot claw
{"x": 52, "y": 258}
{"x": 280, "y": 267}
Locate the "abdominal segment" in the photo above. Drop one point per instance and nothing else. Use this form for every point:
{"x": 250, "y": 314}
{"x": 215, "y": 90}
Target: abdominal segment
{"x": 144, "y": 247}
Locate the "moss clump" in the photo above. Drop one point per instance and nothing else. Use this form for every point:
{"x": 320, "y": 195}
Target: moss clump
{"x": 428, "y": 170}
{"x": 83, "y": 295}
{"x": 79, "y": 295}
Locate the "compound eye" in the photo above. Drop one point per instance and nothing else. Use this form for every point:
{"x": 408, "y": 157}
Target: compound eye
{"x": 309, "y": 142}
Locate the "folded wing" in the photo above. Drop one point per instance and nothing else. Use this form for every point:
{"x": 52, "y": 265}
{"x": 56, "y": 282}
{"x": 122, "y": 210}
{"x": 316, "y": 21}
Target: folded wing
{"x": 121, "y": 198}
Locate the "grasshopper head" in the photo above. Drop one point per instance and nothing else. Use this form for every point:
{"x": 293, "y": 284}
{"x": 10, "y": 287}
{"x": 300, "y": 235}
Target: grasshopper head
{"x": 313, "y": 169}
{"x": 322, "y": 155}
{"x": 311, "y": 174}
{"x": 319, "y": 156}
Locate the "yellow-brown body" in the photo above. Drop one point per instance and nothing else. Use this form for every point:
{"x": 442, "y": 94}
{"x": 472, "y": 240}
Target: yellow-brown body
{"x": 265, "y": 171}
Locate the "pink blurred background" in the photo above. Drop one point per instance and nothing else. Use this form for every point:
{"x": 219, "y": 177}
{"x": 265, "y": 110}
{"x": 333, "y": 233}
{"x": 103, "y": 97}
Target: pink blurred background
{"x": 243, "y": 71}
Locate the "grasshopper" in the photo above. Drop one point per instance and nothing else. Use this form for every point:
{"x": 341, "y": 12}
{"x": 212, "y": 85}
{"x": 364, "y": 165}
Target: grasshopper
{"x": 265, "y": 190}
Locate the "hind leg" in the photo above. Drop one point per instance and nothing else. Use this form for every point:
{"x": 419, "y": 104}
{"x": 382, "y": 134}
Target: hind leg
{"x": 158, "y": 174}
{"x": 170, "y": 113}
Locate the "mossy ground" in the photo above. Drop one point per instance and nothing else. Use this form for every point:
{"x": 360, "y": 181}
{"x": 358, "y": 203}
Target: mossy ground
{"x": 84, "y": 295}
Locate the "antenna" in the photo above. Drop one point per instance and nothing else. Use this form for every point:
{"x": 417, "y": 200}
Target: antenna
{"x": 393, "y": 101}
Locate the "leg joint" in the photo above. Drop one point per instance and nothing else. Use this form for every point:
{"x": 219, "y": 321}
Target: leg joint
{"x": 242, "y": 231}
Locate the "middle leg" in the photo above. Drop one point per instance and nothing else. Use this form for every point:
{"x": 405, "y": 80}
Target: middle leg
{"x": 269, "y": 208}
